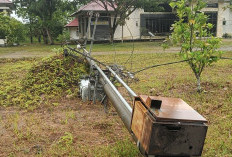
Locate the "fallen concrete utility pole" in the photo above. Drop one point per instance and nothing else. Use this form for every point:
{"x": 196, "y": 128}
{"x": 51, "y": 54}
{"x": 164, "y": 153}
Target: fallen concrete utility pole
{"x": 121, "y": 105}
{"x": 160, "y": 126}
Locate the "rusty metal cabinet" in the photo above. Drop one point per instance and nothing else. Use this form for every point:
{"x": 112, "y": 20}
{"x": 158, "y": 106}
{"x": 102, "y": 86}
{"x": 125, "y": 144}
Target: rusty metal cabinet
{"x": 168, "y": 126}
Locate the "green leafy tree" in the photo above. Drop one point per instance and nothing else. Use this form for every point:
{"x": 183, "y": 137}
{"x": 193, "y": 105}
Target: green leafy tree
{"x": 198, "y": 46}
{"x": 156, "y": 6}
{"x": 64, "y": 37}
{"x": 46, "y": 17}
{"x": 24, "y": 10}
{"x": 11, "y": 29}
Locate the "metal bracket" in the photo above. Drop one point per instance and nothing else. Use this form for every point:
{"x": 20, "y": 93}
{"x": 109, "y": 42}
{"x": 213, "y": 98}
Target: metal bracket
{"x": 95, "y": 86}
{"x": 104, "y": 101}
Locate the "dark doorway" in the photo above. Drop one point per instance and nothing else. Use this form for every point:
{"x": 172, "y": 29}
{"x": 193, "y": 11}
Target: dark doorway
{"x": 212, "y": 18}
{"x": 158, "y": 24}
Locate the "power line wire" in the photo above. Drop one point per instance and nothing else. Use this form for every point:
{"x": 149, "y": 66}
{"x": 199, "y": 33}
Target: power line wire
{"x": 157, "y": 65}
{"x": 133, "y": 48}
{"x": 87, "y": 56}
{"x": 226, "y": 58}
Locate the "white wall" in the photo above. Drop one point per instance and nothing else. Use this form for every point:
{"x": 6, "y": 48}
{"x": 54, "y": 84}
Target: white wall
{"x": 130, "y": 25}
{"x": 223, "y": 13}
{"x": 2, "y": 42}
{"x": 73, "y": 33}
{"x": 227, "y": 16}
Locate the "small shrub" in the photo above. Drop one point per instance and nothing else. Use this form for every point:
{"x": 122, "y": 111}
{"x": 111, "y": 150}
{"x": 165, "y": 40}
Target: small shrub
{"x": 64, "y": 37}
{"x": 66, "y": 140}
{"x": 227, "y": 36}
{"x": 198, "y": 46}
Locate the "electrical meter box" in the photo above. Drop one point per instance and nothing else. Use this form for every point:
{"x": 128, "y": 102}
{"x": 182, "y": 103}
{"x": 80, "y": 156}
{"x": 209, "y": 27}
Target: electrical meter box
{"x": 168, "y": 126}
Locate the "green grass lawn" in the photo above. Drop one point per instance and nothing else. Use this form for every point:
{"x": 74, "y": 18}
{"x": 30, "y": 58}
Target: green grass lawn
{"x": 226, "y": 42}
{"x": 46, "y": 125}
{"x": 35, "y": 50}
{"x": 126, "y": 46}
{"x": 28, "y": 50}
{"x": 40, "y": 49}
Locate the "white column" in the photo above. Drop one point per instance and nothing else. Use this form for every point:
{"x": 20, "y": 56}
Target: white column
{"x": 220, "y": 19}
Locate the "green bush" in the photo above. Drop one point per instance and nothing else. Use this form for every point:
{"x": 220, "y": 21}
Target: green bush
{"x": 64, "y": 37}
{"x": 11, "y": 29}
{"x": 226, "y": 36}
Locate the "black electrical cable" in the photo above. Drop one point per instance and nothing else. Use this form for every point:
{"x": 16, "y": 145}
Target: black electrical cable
{"x": 226, "y": 58}
{"x": 133, "y": 48}
{"x": 153, "y": 66}
{"x": 87, "y": 56}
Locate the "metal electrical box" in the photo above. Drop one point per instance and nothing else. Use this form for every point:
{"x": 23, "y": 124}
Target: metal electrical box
{"x": 87, "y": 88}
{"x": 168, "y": 126}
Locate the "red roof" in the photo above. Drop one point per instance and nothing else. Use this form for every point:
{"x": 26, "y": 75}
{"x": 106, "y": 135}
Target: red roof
{"x": 73, "y": 23}
{"x": 5, "y": 1}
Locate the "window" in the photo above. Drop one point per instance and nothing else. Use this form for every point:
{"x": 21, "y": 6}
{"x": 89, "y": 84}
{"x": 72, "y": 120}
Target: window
{"x": 212, "y": 5}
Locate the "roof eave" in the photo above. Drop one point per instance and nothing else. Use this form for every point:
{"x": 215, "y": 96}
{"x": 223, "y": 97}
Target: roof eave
{"x": 82, "y": 11}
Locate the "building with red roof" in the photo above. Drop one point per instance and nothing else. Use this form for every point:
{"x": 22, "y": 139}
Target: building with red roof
{"x": 73, "y": 23}
{"x": 102, "y": 31}
{"x": 73, "y": 28}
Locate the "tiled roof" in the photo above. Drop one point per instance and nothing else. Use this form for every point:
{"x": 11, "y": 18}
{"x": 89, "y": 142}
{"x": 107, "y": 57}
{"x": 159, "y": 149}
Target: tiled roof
{"x": 5, "y": 1}
{"x": 95, "y": 5}
{"x": 73, "y": 23}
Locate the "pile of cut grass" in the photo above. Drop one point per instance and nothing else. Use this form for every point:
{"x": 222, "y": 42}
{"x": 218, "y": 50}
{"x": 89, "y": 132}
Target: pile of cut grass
{"x": 45, "y": 81}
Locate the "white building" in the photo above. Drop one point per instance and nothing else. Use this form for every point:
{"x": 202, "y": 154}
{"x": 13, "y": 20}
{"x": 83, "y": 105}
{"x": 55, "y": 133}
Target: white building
{"x": 220, "y": 15}
{"x": 142, "y": 24}
{"x": 73, "y": 28}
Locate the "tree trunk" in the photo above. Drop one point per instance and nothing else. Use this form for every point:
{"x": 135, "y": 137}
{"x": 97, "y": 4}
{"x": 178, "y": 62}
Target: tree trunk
{"x": 122, "y": 33}
{"x": 31, "y": 38}
{"x": 111, "y": 38}
{"x": 198, "y": 84}
{"x": 31, "y": 35}
{"x": 45, "y": 38}
{"x": 49, "y": 36}
{"x": 110, "y": 29}
{"x": 111, "y": 34}
{"x": 39, "y": 38}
